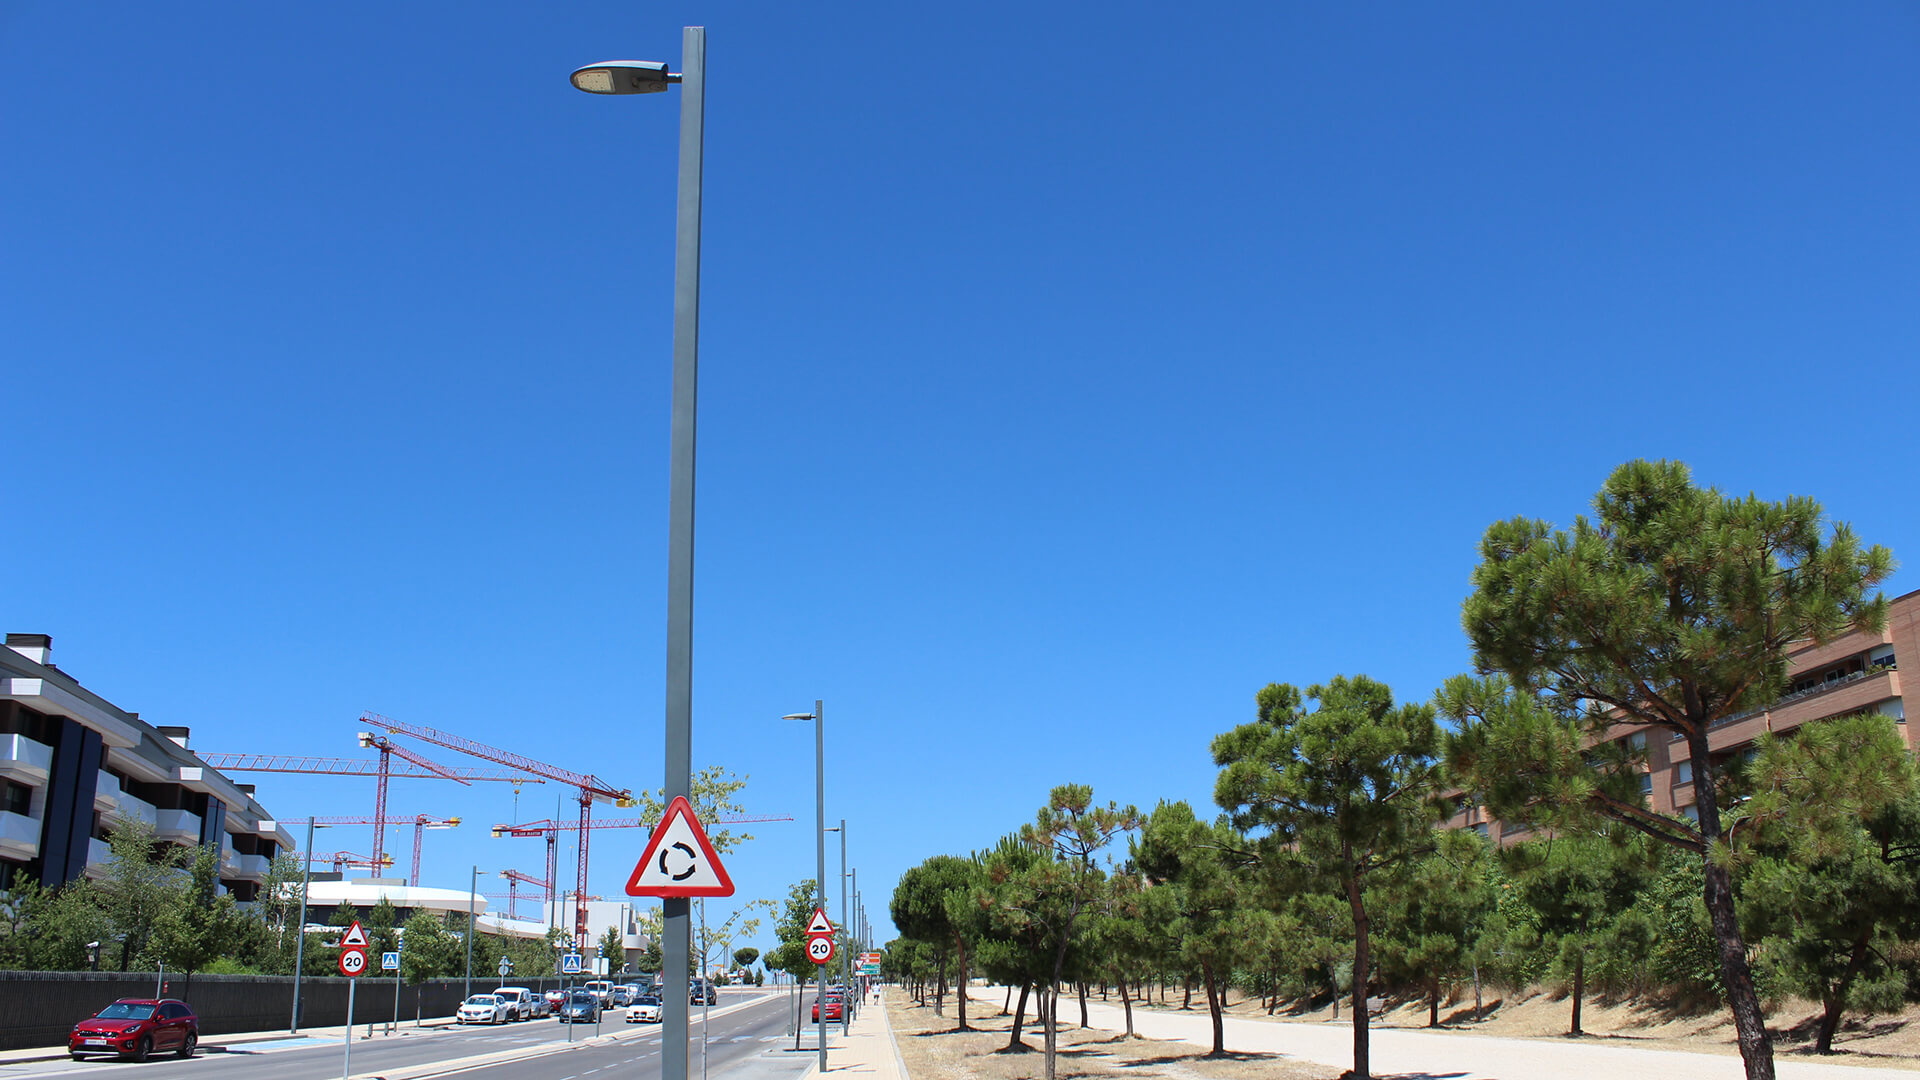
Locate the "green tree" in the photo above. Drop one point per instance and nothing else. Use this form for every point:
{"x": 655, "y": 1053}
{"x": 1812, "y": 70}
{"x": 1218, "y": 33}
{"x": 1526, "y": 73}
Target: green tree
{"x": 141, "y": 883}
{"x": 383, "y": 935}
{"x": 613, "y": 949}
{"x": 428, "y": 950}
{"x": 1345, "y": 793}
{"x": 1011, "y": 947}
{"x": 201, "y": 924}
{"x": 1433, "y": 915}
{"x": 343, "y": 915}
{"x": 713, "y": 800}
{"x": 1577, "y": 886}
{"x": 744, "y": 958}
{"x": 1833, "y": 893}
{"x": 1672, "y": 608}
{"x": 920, "y": 910}
{"x": 1217, "y": 924}
{"x": 790, "y": 955}
{"x": 1056, "y": 893}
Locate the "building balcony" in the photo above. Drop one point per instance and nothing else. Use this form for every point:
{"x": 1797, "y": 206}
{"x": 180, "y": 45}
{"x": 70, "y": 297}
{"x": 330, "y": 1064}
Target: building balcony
{"x": 178, "y": 825}
{"x": 99, "y": 857}
{"x": 23, "y": 759}
{"x": 131, "y": 808}
{"x": 249, "y": 867}
{"x": 106, "y": 791}
{"x": 19, "y": 836}
{"x": 1849, "y": 694}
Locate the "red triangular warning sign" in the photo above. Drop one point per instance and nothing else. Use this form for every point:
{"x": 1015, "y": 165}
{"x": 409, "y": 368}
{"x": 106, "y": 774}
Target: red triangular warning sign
{"x": 679, "y": 860}
{"x": 354, "y": 938}
{"x": 818, "y": 925}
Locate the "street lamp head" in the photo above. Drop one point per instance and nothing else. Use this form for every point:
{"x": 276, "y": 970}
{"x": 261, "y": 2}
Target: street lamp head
{"x": 624, "y": 77}
{"x": 798, "y": 716}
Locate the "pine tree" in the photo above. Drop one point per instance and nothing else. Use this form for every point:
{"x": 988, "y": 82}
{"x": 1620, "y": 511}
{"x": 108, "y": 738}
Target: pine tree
{"x": 1346, "y": 793}
{"x": 1671, "y": 608}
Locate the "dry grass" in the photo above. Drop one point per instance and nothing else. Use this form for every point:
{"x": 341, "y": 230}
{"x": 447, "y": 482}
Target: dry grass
{"x": 933, "y": 1050}
{"x": 1887, "y": 1039}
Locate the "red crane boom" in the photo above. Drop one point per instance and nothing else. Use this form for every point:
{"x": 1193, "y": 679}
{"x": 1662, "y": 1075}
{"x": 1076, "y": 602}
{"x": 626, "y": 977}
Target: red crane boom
{"x": 333, "y": 766}
{"x": 420, "y": 822}
{"x": 590, "y": 787}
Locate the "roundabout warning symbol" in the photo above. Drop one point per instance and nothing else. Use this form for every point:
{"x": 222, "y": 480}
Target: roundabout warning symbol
{"x": 679, "y": 860}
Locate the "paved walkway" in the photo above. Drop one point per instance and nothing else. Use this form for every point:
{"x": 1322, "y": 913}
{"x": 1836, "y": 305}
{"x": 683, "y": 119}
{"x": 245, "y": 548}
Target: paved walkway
{"x": 1452, "y": 1055}
{"x": 866, "y": 1051}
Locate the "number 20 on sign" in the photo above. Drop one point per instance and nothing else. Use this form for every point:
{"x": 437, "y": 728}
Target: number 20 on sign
{"x": 820, "y": 949}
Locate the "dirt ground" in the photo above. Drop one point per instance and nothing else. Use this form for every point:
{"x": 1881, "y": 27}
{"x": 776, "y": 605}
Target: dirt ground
{"x": 1890, "y": 1039}
{"x": 933, "y": 1051}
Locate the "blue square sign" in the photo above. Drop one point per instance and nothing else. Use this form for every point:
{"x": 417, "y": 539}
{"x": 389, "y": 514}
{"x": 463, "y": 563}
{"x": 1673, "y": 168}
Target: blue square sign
{"x": 389, "y": 961}
{"x": 570, "y": 964}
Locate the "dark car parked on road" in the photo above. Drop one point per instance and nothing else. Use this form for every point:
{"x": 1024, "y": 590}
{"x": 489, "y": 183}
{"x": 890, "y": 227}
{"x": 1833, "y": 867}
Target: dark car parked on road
{"x": 582, "y": 1007}
{"x": 135, "y": 1028}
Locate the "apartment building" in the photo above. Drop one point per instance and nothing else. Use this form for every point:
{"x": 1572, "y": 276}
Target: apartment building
{"x": 1850, "y": 674}
{"x": 74, "y": 766}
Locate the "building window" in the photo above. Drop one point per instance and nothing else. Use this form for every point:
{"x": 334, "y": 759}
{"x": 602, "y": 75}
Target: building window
{"x": 1691, "y": 813}
{"x": 1683, "y": 773}
{"x": 1895, "y": 708}
{"x": 18, "y": 799}
{"x": 1880, "y": 658}
{"x": 1637, "y": 742}
{"x": 1646, "y": 783}
{"x": 1482, "y": 829}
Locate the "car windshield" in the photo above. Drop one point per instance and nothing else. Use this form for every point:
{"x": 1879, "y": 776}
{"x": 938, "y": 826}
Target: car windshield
{"x": 581, "y": 997}
{"x": 482, "y": 999}
{"x": 120, "y": 1010}
{"x": 647, "y": 999}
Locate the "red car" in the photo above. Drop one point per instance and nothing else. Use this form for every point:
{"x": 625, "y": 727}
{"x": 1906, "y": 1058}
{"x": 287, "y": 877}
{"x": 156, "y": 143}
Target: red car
{"x": 833, "y": 1007}
{"x": 135, "y": 1028}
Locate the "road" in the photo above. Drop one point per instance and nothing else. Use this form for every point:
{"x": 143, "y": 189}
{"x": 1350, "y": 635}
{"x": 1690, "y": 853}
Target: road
{"x": 746, "y": 1034}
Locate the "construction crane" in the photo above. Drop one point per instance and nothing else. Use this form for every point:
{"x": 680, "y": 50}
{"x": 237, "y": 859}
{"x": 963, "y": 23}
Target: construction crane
{"x": 343, "y": 859}
{"x": 412, "y": 767}
{"x": 514, "y": 880}
{"x": 420, "y": 822}
{"x": 549, "y": 829}
{"x": 589, "y": 787}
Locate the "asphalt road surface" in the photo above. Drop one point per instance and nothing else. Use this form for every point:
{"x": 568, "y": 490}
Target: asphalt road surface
{"x": 747, "y": 1032}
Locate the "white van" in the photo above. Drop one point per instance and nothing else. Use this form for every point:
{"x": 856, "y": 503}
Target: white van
{"x": 519, "y": 1001}
{"x": 601, "y": 989}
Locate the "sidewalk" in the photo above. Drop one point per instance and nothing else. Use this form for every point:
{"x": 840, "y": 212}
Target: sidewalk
{"x": 866, "y": 1051}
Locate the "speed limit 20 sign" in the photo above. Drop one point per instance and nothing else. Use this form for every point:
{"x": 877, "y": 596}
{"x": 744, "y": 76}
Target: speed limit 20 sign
{"x": 352, "y": 961}
{"x": 820, "y": 949}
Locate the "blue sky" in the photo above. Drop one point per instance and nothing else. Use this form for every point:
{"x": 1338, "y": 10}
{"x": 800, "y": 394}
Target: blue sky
{"x": 1069, "y": 371}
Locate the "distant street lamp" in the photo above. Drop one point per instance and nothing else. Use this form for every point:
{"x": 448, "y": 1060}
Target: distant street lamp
{"x": 300, "y": 942}
{"x": 647, "y": 77}
{"x": 818, "y": 716}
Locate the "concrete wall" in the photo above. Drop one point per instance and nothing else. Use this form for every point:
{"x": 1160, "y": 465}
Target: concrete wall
{"x": 41, "y": 1007}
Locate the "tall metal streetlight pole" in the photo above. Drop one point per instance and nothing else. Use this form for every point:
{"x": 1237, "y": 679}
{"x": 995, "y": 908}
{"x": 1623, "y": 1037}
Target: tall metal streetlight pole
{"x": 818, "y": 716}
{"x": 846, "y": 936}
{"x": 473, "y": 896}
{"x": 641, "y": 77}
{"x": 300, "y": 942}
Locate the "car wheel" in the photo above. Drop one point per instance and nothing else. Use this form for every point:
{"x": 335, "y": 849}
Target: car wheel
{"x": 77, "y": 1057}
{"x": 186, "y": 1048}
{"x": 144, "y": 1049}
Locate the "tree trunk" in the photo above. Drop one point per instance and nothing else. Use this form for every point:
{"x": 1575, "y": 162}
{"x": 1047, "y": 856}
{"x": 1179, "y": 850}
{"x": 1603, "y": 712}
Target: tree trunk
{"x": 1836, "y": 997}
{"x": 1187, "y": 1002}
{"x": 1216, "y": 1001}
{"x": 1050, "y": 1005}
{"x": 1749, "y": 1023}
{"x": 1019, "y": 1015}
{"x": 1083, "y": 1006}
{"x": 940, "y": 991}
{"x": 1433, "y": 1003}
{"x": 1362, "y": 964}
{"x": 1579, "y": 989}
{"x": 1007, "y": 1005}
{"x": 960, "y": 945}
{"x": 1126, "y": 1003}
{"x": 1476, "y": 989}
{"x": 799, "y": 1012}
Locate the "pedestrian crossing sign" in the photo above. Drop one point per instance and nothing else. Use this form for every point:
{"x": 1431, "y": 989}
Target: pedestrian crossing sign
{"x": 570, "y": 964}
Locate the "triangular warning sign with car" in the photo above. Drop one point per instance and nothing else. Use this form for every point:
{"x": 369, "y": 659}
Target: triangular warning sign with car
{"x": 819, "y": 925}
{"x": 679, "y": 860}
{"x": 354, "y": 938}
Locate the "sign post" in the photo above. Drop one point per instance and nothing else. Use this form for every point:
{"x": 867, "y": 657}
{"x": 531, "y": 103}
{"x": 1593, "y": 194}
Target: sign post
{"x": 390, "y": 961}
{"x": 353, "y": 961}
